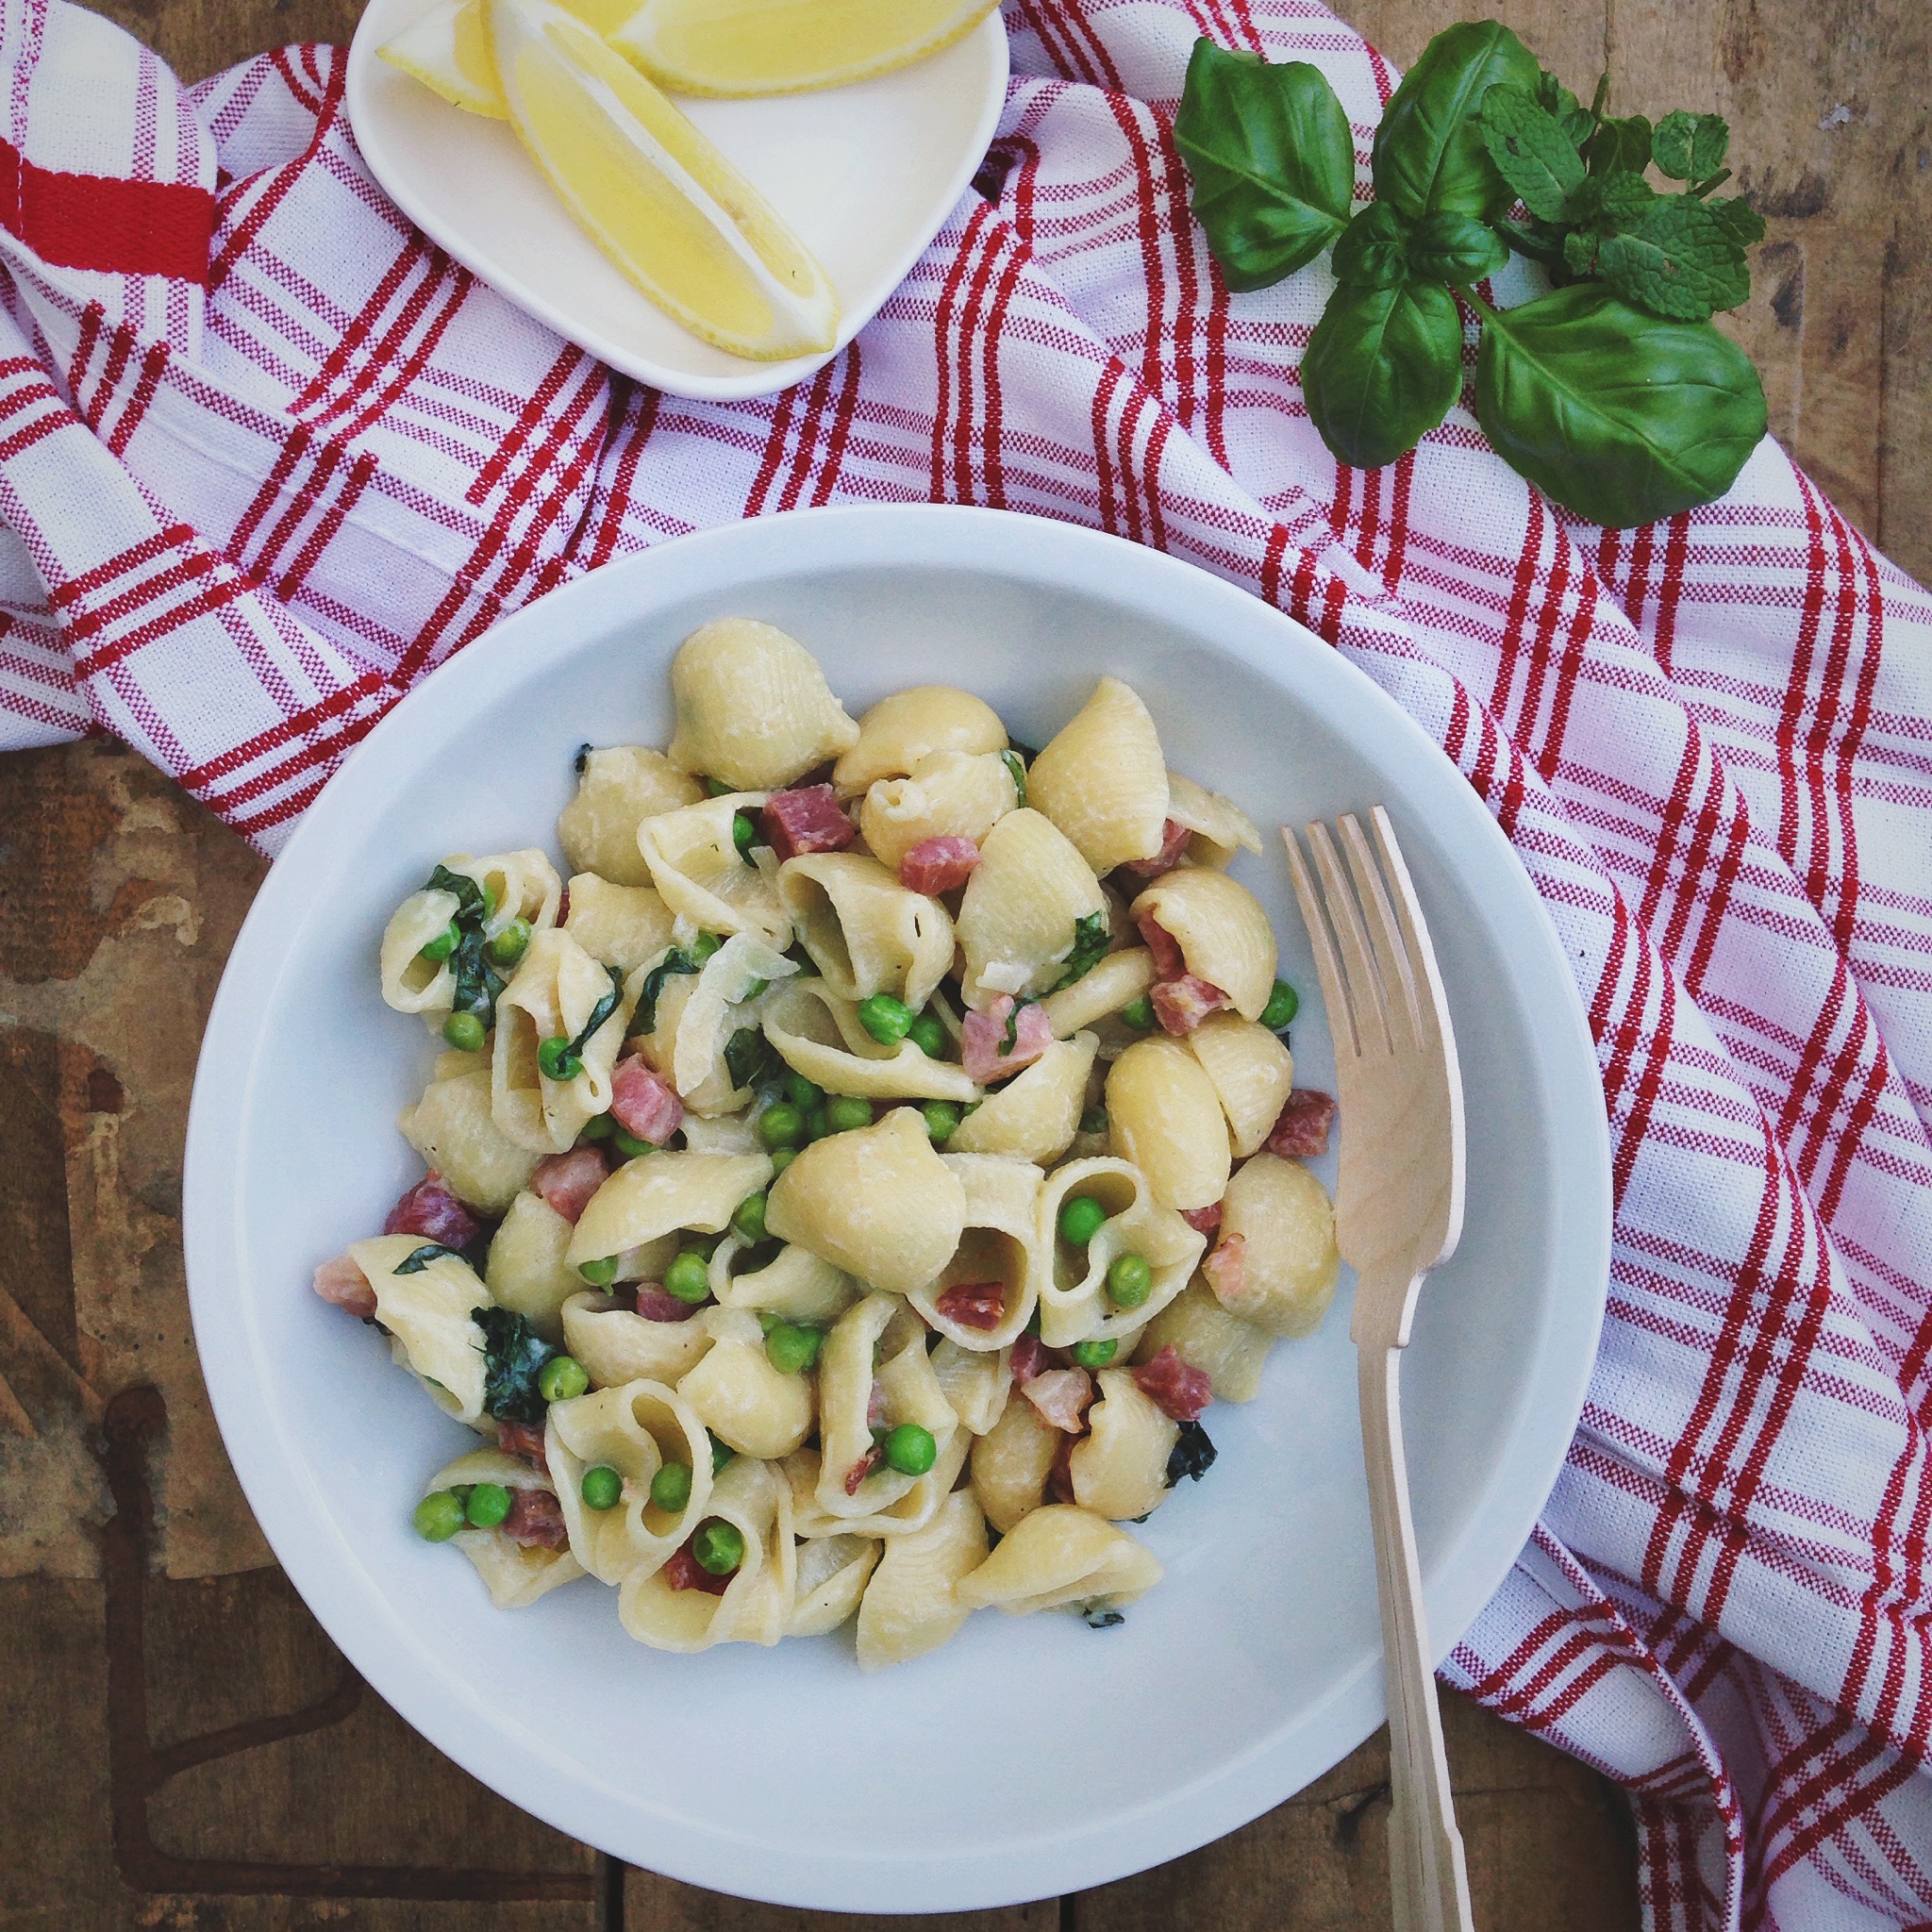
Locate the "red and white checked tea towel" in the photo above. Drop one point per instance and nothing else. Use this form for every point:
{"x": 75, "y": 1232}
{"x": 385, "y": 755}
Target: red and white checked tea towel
{"x": 266, "y": 457}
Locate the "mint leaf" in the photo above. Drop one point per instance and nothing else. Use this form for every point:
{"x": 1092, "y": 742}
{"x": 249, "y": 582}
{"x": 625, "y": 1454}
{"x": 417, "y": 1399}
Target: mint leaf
{"x": 1681, "y": 262}
{"x": 1455, "y": 248}
{"x": 1372, "y": 252}
{"x": 1531, "y": 150}
{"x": 1690, "y": 147}
{"x": 1745, "y": 223}
{"x": 1620, "y": 146}
{"x": 1557, "y": 101}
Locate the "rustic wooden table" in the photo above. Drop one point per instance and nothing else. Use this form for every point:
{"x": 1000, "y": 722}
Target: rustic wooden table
{"x": 185, "y": 1747}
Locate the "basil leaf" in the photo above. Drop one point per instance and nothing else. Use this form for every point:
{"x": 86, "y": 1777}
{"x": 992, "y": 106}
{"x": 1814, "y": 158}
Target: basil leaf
{"x": 1373, "y": 249}
{"x": 1689, "y": 147}
{"x": 513, "y": 1357}
{"x": 1540, "y": 241}
{"x": 1093, "y": 936}
{"x": 1017, "y": 772}
{"x": 469, "y": 893}
{"x": 1618, "y": 146}
{"x": 747, "y": 1056}
{"x": 1272, "y": 158}
{"x": 1383, "y": 366}
{"x": 1456, "y": 248}
{"x": 572, "y": 1055}
{"x": 477, "y": 981}
{"x": 1429, "y": 152}
{"x": 419, "y": 1258}
{"x": 677, "y": 960}
{"x": 1682, "y": 262}
{"x": 1619, "y": 416}
{"x": 1192, "y": 1455}
{"x": 1531, "y": 150}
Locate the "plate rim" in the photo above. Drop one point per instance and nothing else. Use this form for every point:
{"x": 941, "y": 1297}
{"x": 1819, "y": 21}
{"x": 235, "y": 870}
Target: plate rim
{"x": 388, "y": 1652}
{"x": 760, "y": 379}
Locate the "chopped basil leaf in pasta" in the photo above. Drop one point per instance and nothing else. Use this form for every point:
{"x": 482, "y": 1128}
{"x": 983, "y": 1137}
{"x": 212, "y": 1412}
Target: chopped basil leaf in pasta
{"x": 513, "y": 1356}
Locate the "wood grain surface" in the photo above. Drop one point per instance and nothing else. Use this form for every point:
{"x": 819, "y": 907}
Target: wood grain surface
{"x": 185, "y": 1748}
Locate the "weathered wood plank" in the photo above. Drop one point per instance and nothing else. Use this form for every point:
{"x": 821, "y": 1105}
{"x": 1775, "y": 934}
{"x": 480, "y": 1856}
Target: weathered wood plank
{"x": 652, "y": 1904}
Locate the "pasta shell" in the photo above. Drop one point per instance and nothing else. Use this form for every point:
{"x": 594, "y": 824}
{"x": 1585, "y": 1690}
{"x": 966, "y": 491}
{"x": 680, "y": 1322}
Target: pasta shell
{"x": 1278, "y": 1211}
{"x": 1164, "y": 1115}
{"x": 452, "y": 1129}
{"x": 616, "y": 1345}
{"x": 661, "y": 1193}
{"x": 1021, "y": 908}
{"x": 556, "y": 990}
{"x": 737, "y": 1394}
{"x": 517, "y": 885}
{"x": 1253, "y": 1074}
{"x": 711, "y": 1009}
{"x": 795, "y": 1284}
{"x": 1060, "y": 1556}
{"x": 952, "y": 795}
{"x": 1229, "y": 1352}
{"x": 1036, "y": 1113}
{"x": 410, "y": 983}
{"x": 818, "y": 1033}
{"x": 850, "y": 1372}
{"x": 1074, "y": 1305}
{"x": 527, "y": 1270}
{"x": 1223, "y": 932}
{"x": 913, "y": 1510}
{"x": 618, "y": 790}
{"x": 996, "y": 1244}
{"x": 833, "y": 1571}
{"x": 753, "y": 707}
{"x": 1120, "y": 1466}
{"x": 427, "y": 1312}
{"x": 618, "y": 926}
{"x": 515, "y": 1577}
{"x": 912, "y": 1605}
{"x": 1011, "y": 1463}
{"x": 1119, "y": 978}
{"x": 866, "y": 932}
{"x": 910, "y": 726}
{"x": 975, "y": 1383}
{"x": 1217, "y": 826}
{"x": 695, "y": 865}
{"x": 1102, "y": 779}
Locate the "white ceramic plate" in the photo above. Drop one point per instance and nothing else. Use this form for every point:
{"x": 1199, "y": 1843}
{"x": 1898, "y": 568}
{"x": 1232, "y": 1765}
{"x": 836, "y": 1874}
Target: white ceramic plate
{"x": 865, "y": 175}
{"x": 1030, "y": 1756}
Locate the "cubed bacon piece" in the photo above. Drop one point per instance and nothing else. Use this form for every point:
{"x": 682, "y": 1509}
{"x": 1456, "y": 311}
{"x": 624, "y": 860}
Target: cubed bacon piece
{"x": 1302, "y": 1126}
{"x": 861, "y": 1469}
{"x": 656, "y": 1304}
{"x": 1174, "y": 841}
{"x": 431, "y": 1210}
{"x": 984, "y": 1050}
{"x": 683, "y": 1572}
{"x": 536, "y": 1520}
{"x": 344, "y": 1284}
{"x": 520, "y": 1438}
{"x": 1170, "y": 962}
{"x": 1179, "y": 1388}
{"x": 643, "y": 1103}
{"x": 1062, "y": 1396}
{"x": 1029, "y": 1358}
{"x": 807, "y": 820}
{"x": 1227, "y": 1269}
{"x": 1180, "y": 1005}
{"x": 567, "y": 1181}
{"x": 974, "y": 1304}
{"x": 1203, "y": 1220}
{"x": 936, "y": 865}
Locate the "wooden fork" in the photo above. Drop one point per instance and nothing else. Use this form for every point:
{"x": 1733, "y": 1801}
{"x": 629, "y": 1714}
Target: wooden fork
{"x": 1398, "y": 1212}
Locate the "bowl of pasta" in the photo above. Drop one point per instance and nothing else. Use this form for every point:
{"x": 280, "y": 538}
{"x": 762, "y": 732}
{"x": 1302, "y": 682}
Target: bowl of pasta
{"x": 798, "y": 1050}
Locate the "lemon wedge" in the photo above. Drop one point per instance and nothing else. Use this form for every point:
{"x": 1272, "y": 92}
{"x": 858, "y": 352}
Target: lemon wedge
{"x": 654, "y": 194}
{"x": 448, "y": 51}
{"x": 786, "y": 47}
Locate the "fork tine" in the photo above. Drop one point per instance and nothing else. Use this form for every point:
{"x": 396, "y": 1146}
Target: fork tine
{"x": 1398, "y": 979}
{"x": 1426, "y": 985}
{"x": 1328, "y": 967}
{"x": 1359, "y": 964}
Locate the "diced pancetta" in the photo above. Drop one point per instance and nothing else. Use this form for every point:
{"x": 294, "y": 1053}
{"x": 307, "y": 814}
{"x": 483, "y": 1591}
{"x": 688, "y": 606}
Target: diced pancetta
{"x": 984, "y": 1049}
{"x": 861, "y": 1469}
{"x": 1203, "y": 1220}
{"x": 520, "y": 1438}
{"x": 1302, "y": 1126}
{"x": 1168, "y": 961}
{"x": 431, "y": 1210}
{"x": 1180, "y": 1388}
{"x": 1180, "y": 1005}
{"x": 536, "y": 1520}
{"x": 1062, "y": 1396}
{"x": 1029, "y": 1358}
{"x": 644, "y": 1104}
{"x": 941, "y": 864}
{"x": 567, "y": 1181}
{"x": 1174, "y": 841}
{"x": 656, "y": 1304}
{"x": 1227, "y": 1269}
{"x": 683, "y": 1572}
{"x": 344, "y": 1284}
{"x": 808, "y": 819}
{"x": 974, "y": 1304}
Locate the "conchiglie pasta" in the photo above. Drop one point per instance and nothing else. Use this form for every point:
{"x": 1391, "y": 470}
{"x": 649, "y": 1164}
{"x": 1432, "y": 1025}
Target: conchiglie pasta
{"x": 635, "y": 1430}
{"x": 701, "y": 1015}
{"x": 514, "y": 1575}
{"x": 913, "y": 1510}
{"x": 1036, "y": 1113}
{"x": 1074, "y": 1303}
{"x": 947, "y": 794}
{"x": 1221, "y": 929}
{"x": 516, "y": 884}
{"x": 794, "y": 1283}
{"x": 863, "y": 1379}
{"x": 1217, "y": 826}
{"x": 996, "y": 1247}
{"x": 1061, "y": 1556}
{"x": 975, "y": 1383}
{"x": 426, "y": 1309}
{"x": 558, "y": 992}
{"x": 696, "y": 866}
{"x": 1253, "y": 1074}
{"x": 1019, "y": 916}
{"x": 833, "y": 1571}
{"x": 1285, "y": 1276}
{"x": 913, "y": 1604}
{"x": 737, "y": 1394}
{"x": 618, "y": 926}
{"x": 410, "y": 983}
{"x": 620, "y": 788}
{"x": 526, "y": 1272}
{"x": 1229, "y": 1352}
{"x": 1115, "y": 982}
{"x": 876, "y": 1202}
{"x": 451, "y": 1128}
{"x": 1012, "y": 1464}
{"x": 661, "y": 1193}
{"x": 616, "y": 1345}
{"x": 819, "y": 1034}
{"x": 1102, "y": 779}
{"x": 866, "y": 932}
{"x": 900, "y": 731}
{"x": 1164, "y": 1116}
{"x": 1119, "y": 1468}
{"x": 753, "y": 707}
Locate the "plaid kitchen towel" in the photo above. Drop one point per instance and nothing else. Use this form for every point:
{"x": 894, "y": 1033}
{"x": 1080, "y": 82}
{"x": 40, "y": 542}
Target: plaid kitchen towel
{"x": 267, "y": 456}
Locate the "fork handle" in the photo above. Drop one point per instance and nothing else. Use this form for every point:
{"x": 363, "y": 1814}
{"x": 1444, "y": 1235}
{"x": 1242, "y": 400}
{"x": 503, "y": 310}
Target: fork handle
{"x": 1427, "y": 1875}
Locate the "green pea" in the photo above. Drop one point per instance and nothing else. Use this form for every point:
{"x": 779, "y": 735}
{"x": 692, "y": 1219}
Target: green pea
{"x": 912, "y": 1450}
{"x": 629, "y": 1145}
{"x": 1129, "y": 1281}
{"x": 748, "y": 1220}
{"x": 722, "y": 1453}
{"x": 561, "y": 1378}
{"x": 889, "y": 1021}
{"x": 1284, "y": 1003}
{"x": 928, "y": 1034}
{"x": 488, "y": 1506}
{"x": 941, "y": 1121}
{"x": 781, "y": 1125}
{"x": 704, "y": 946}
{"x": 1096, "y": 1355}
{"x": 718, "y": 1548}
{"x": 1081, "y": 1218}
{"x": 1138, "y": 1014}
{"x": 688, "y": 1279}
{"x": 817, "y": 1125}
{"x": 599, "y": 1274}
{"x": 512, "y": 943}
{"x": 846, "y": 1111}
{"x": 438, "y": 1516}
{"x": 800, "y": 1091}
{"x": 716, "y": 787}
{"x": 556, "y": 1062}
{"x": 598, "y": 1127}
{"x": 1093, "y": 1120}
{"x": 671, "y": 1487}
{"x": 744, "y": 835}
{"x": 792, "y": 1348}
{"x": 464, "y": 1031}
{"x": 602, "y": 1488}
{"x": 442, "y": 945}
{"x": 782, "y": 1158}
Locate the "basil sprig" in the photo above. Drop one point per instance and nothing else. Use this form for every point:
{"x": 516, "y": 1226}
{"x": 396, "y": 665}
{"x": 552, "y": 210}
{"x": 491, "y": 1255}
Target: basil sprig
{"x": 1612, "y": 393}
{"x": 477, "y": 981}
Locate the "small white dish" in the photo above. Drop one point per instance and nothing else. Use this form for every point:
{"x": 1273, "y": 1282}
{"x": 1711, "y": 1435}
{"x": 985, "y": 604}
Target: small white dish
{"x": 1030, "y": 1756}
{"x": 866, "y": 174}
